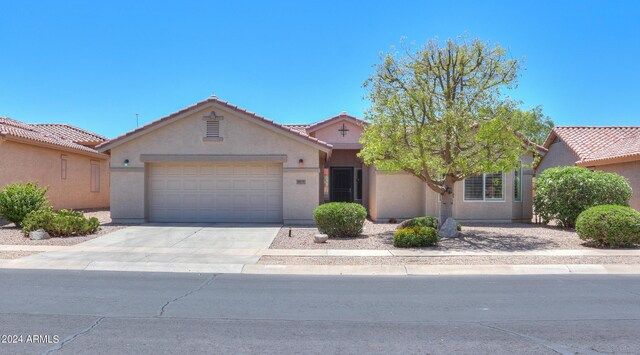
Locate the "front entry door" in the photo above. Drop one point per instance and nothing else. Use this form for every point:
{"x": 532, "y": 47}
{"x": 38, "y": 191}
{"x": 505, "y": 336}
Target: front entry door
{"x": 341, "y": 184}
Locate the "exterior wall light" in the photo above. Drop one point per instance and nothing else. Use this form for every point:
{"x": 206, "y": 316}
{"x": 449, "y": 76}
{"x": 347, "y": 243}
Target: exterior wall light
{"x": 301, "y": 162}
{"x": 126, "y": 162}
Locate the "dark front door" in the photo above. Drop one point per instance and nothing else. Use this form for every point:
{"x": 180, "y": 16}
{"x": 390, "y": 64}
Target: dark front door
{"x": 341, "y": 184}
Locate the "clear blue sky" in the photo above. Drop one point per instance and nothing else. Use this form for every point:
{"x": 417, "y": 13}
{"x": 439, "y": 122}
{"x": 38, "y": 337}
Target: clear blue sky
{"x": 95, "y": 64}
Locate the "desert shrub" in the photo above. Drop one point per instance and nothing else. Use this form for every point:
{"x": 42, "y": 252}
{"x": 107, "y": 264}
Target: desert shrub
{"x": 563, "y": 193}
{"x": 426, "y": 221}
{"x": 415, "y": 237}
{"x": 340, "y": 219}
{"x": 611, "y": 226}
{"x": 17, "y": 200}
{"x": 63, "y": 223}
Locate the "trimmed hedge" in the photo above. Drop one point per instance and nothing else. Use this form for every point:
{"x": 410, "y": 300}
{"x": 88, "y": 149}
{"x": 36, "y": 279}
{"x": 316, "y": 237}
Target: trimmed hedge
{"x": 340, "y": 219}
{"x": 610, "y": 226}
{"x": 563, "y": 193}
{"x": 415, "y": 237}
{"x": 63, "y": 223}
{"x": 17, "y": 200}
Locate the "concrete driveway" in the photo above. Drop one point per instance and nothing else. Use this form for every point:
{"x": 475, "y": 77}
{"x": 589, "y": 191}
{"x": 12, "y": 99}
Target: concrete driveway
{"x": 163, "y": 247}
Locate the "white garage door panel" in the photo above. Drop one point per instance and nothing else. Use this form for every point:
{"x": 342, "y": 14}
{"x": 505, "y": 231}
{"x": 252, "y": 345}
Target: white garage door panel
{"x": 215, "y": 192}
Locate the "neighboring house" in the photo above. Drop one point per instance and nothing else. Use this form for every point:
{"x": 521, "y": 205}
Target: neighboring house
{"x": 216, "y": 162}
{"x": 612, "y": 149}
{"x": 59, "y": 156}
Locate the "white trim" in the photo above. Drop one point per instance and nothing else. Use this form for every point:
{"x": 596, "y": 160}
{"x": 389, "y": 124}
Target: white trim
{"x": 519, "y": 199}
{"x": 484, "y": 199}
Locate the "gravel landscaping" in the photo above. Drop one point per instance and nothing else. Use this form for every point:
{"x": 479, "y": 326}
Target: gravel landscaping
{"x": 11, "y": 235}
{"x": 447, "y": 260}
{"x": 486, "y": 237}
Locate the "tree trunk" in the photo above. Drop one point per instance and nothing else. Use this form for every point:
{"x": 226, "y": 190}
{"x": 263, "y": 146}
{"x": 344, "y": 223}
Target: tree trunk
{"x": 446, "y": 208}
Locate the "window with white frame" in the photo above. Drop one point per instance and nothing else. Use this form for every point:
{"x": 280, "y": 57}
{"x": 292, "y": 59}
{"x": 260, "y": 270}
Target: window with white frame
{"x": 485, "y": 187}
{"x": 517, "y": 184}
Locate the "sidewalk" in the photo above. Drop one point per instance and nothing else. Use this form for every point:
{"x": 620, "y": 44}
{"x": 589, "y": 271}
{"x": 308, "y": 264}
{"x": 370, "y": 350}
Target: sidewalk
{"x": 216, "y": 260}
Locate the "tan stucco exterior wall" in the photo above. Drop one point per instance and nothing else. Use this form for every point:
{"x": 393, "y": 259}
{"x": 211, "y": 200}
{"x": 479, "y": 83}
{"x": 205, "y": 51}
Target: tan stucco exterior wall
{"x": 242, "y": 135}
{"x": 559, "y": 154}
{"x": 631, "y": 171}
{"x": 21, "y": 162}
{"x": 395, "y": 195}
{"x": 401, "y": 196}
{"x": 331, "y": 134}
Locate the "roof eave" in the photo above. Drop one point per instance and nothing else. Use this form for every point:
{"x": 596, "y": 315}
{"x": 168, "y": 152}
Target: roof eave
{"x": 52, "y": 146}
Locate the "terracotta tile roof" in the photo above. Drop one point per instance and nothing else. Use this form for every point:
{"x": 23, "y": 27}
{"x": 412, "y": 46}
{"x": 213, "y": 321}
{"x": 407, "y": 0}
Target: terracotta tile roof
{"x": 597, "y": 145}
{"x": 77, "y": 135}
{"x": 106, "y": 145}
{"x": 342, "y": 115}
{"x": 298, "y": 127}
{"x": 16, "y": 129}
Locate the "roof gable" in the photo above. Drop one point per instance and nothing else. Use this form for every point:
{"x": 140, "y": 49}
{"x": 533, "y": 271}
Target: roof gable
{"x": 331, "y": 120}
{"x": 214, "y": 102}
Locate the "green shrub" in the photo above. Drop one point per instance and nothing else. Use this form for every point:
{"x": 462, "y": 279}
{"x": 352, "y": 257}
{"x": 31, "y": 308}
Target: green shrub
{"x": 63, "y": 223}
{"x": 608, "y": 225}
{"x": 563, "y": 193}
{"x": 426, "y": 221}
{"x": 17, "y": 200}
{"x": 415, "y": 237}
{"x": 340, "y": 219}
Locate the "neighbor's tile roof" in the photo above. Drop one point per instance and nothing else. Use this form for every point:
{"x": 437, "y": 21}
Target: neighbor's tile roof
{"x": 213, "y": 99}
{"x": 297, "y": 127}
{"x": 599, "y": 144}
{"x": 12, "y": 128}
{"x": 78, "y": 135}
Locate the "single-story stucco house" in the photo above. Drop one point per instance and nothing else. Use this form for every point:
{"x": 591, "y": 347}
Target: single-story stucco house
{"x": 613, "y": 149}
{"x": 60, "y": 157}
{"x": 216, "y": 162}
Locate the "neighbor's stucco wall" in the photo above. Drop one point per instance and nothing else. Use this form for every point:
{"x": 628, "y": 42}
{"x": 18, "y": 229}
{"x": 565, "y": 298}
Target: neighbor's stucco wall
{"x": 631, "y": 171}
{"x": 241, "y": 136}
{"x": 21, "y": 162}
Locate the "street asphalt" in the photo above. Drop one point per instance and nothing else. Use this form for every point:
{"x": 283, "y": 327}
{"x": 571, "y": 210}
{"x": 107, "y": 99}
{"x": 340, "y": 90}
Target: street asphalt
{"x": 100, "y": 312}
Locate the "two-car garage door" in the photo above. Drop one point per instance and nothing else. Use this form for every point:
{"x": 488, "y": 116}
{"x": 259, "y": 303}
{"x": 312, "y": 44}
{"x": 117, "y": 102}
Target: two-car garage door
{"x": 214, "y": 192}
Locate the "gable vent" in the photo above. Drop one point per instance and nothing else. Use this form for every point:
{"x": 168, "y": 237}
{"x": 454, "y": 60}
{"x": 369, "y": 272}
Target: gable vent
{"x": 213, "y": 129}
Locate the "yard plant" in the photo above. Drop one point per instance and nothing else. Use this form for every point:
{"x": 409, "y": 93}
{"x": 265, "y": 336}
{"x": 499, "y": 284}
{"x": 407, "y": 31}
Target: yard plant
{"x": 340, "y": 219}
{"x": 563, "y": 193}
{"x": 439, "y": 113}
{"x": 17, "y": 200}
{"x": 62, "y": 223}
{"x": 610, "y": 226}
{"x": 415, "y": 237}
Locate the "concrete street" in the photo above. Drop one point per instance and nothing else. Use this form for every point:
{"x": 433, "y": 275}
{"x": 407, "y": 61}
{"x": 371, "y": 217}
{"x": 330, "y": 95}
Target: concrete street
{"x": 149, "y": 313}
